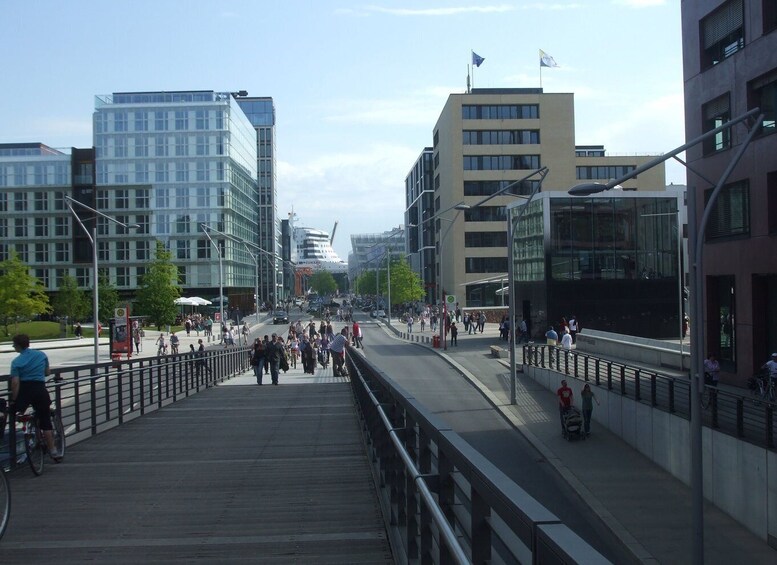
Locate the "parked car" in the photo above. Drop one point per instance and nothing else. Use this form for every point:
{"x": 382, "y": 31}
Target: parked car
{"x": 381, "y": 314}
{"x": 280, "y": 317}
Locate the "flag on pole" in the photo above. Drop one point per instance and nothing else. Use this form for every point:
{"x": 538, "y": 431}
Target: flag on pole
{"x": 477, "y": 60}
{"x": 546, "y": 60}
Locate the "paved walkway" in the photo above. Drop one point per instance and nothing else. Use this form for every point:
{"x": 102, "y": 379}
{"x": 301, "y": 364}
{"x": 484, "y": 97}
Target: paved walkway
{"x": 644, "y": 505}
{"x": 236, "y": 473}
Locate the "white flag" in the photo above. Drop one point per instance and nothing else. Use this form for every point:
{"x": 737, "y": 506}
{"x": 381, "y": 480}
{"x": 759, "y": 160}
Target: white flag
{"x": 546, "y": 60}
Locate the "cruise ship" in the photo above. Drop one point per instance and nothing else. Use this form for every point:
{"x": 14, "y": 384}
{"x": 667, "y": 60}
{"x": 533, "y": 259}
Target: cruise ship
{"x": 313, "y": 249}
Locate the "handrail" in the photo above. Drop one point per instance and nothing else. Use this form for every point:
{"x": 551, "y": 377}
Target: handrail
{"x": 742, "y": 416}
{"x": 442, "y": 500}
{"x": 91, "y": 398}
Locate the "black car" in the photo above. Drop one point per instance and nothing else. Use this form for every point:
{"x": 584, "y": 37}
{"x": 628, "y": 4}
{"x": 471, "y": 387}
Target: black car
{"x": 280, "y": 317}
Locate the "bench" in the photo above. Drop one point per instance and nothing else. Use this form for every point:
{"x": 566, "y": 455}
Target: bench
{"x": 498, "y": 352}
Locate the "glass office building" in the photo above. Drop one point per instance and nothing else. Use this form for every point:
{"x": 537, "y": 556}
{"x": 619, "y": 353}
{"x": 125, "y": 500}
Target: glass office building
{"x": 613, "y": 261}
{"x": 170, "y": 162}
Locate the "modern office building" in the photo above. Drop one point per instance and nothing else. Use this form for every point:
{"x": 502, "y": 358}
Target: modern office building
{"x": 612, "y": 260}
{"x": 419, "y": 202}
{"x": 484, "y": 141}
{"x": 261, "y": 113}
{"x": 368, "y": 250}
{"x": 35, "y": 222}
{"x": 729, "y": 67}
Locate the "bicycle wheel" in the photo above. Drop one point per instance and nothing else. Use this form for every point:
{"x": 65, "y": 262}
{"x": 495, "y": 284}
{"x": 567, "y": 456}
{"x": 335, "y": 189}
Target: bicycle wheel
{"x": 59, "y": 434}
{"x": 5, "y": 502}
{"x": 34, "y": 448}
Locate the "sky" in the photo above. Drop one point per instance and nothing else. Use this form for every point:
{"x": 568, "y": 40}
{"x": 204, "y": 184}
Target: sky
{"x": 357, "y": 86}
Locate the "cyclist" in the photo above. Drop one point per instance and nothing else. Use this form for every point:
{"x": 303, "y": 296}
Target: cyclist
{"x": 161, "y": 345}
{"x": 28, "y": 387}
{"x": 174, "y": 341}
{"x": 771, "y": 365}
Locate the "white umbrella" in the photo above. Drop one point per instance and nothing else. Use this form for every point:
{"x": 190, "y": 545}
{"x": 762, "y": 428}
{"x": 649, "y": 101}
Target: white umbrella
{"x": 197, "y": 301}
{"x": 184, "y": 302}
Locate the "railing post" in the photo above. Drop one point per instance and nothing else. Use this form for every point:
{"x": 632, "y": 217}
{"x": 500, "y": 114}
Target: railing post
{"x": 609, "y": 375}
{"x": 637, "y": 395}
{"x": 623, "y": 380}
{"x": 671, "y": 397}
{"x": 93, "y": 401}
{"x": 596, "y": 370}
{"x": 653, "y": 389}
{"x": 769, "y": 425}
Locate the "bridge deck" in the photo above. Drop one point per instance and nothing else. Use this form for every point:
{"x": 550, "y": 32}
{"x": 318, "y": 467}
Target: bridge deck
{"x": 238, "y": 472}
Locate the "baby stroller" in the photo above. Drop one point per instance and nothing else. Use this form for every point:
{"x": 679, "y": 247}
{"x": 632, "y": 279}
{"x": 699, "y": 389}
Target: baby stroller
{"x": 573, "y": 424}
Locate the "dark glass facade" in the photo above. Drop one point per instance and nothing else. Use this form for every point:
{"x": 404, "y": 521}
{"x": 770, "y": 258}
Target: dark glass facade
{"x": 612, "y": 261}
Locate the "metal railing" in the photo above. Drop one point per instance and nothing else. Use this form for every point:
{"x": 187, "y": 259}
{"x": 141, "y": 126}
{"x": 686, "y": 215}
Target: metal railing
{"x": 93, "y": 398}
{"x": 442, "y": 501}
{"x": 740, "y": 415}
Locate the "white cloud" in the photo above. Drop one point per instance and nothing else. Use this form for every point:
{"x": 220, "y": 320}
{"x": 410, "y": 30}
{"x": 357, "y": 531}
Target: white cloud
{"x": 420, "y": 108}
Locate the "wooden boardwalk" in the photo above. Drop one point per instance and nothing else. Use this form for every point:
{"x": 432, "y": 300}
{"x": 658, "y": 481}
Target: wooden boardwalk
{"x": 237, "y": 473}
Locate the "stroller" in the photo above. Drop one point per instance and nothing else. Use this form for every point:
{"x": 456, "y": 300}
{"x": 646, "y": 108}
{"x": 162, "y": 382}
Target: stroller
{"x": 573, "y": 424}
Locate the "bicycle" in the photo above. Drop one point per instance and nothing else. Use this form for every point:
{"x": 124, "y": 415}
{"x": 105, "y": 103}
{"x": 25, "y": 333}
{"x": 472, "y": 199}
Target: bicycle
{"x": 35, "y": 442}
{"x": 709, "y": 390}
{"x": 5, "y": 502}
{"x": 762, "y": 387}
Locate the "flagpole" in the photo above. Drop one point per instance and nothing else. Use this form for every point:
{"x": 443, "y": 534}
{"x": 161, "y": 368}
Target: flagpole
{"x": 468, "y": 89}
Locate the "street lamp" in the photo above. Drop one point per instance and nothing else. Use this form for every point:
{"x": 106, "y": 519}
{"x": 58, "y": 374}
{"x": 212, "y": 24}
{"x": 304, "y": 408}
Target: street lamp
{"x": 205, "y": 229}
{"x": 696, "y": 243}
{"x": 93, "y": 240}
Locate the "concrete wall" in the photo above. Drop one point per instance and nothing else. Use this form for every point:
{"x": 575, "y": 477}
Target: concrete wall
{"x": 637, "y": 350}
{"x": 739, "y": 478}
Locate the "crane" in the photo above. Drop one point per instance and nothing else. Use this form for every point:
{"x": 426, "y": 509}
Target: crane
{"x": 334, "y": 229}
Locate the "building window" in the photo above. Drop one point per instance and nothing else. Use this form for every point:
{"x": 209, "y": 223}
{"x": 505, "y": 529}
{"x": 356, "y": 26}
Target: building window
{"x": 162, "y": 198}
{"x": 771, "y": 200}
{"x": 603, "y": 172}
{"x": 120, "y": 147}
{"x": 43, "y": 276}
{"x": 61, "y": 226}
{"x": 41, "y": 227}
{"x": 202, "y": 197}
{"x": 730, "y": 215}
{"x": 485, "y": 214}
{"x": 201, "y": 120}
{"x": 769, "y": 8}
{"x": 20, "y": 227}
{"x": 487, "y": 188}
{"x": 762, "y": 92}
{"x": 722, "y": 33}
{"x": 203, "y": 249}
{"x": 103, "y": 250}
{"x": 141, "y": 146}
{"x": 714, "y": 114}
{"x": 3, "y": 202}
{"x": 182, "y": 274}
{"x": 61, "y": 253}
{"x": 22, "y": 252}
{"x": 485, "y": 239}
{"x": 3, "y": 228}
{"x": 202, "y": 171}
{"x": 20, "y": 201}
{"x": 182, "y": 249}
{"x": 41, "y": 253}
{"x": 160, "y": 121}
{"x": 141, "y": 198}
{"x": 181, "y": 197}
{"x": 501, "y": 137}
{"x": 722, "y": 292}
{"x": 181, "y": 120}
{"x": 41, "y": 201}
{"x": 160, "y": 146}
{"x": 141, "y": 250}
{"x": 162, "y": 224}
{"x": 182, "y": 224}
{"x": 122, "y": 198}
{"x": 141, "y": 172}
{"x": 181, "y": 146}
{"x": 202, "y": 145}
{"x": 500, "y": 112}
{"x": 141, "y": 121}
{"x": 501, "y": 162}
{"x": 142, "y": 222}
{"x": 122, "y": 251}
{"x": 120, "y": 121}
{"x": 122, "y": 276}
{"x": 102, "y": 199}
{"x": 181, "y": 171}
{"x": 485, "y": 264}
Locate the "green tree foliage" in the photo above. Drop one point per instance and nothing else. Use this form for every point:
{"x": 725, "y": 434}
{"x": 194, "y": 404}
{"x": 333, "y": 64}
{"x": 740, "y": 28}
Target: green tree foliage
{"x": 70, "y": 301}
{"x": 365, "y": 283}
{"x": 159, "y": 289}
{"x": 108, "y": 298}
{"x": 323, "y": 283}
{"x": 406, "y": 285}
{"x": 21, "y": 294}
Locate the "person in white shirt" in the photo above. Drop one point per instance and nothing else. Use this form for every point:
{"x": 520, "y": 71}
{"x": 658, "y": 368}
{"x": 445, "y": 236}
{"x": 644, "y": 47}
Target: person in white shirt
{"x": 566, "y": 340}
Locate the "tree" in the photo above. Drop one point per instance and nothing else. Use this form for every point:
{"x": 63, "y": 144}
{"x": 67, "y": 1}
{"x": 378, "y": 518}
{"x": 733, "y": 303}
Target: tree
{"x": 21, "y": 294}
{"x": 70, "y": 302}
{"x": 159, "y": 289}
{"x": 406, "y": 285}
{"x": 365, "y": 283}
{"x": 323, "y": 283}
{"x": 108, "y": 297}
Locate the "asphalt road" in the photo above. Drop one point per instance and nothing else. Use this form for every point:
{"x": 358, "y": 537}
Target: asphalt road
{"x": 447, "y": 394}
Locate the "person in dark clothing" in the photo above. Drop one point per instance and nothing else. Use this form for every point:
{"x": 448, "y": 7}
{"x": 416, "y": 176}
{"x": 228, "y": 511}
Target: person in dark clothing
{"x": 274, "y": 352}
{"x": 454, "y": 335}
{"x": 257, "y": 359}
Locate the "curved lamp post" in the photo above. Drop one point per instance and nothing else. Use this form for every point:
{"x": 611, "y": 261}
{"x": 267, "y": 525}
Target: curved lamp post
{"x": 69, "y": 201}
{"x": 696, "y": 243}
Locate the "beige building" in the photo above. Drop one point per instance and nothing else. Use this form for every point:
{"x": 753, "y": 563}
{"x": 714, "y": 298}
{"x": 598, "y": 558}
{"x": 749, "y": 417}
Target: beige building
{"x": 484, "y": 141}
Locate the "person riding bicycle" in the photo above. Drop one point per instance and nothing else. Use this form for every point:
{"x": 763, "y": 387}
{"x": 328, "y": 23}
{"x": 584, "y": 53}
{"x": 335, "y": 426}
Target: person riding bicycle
{"x": 161, "y": 345}
{"x": 28, "y": 388}
{"x": 174, "y": 341}
{"x": 771, "y": 366}
{"x": 711, "y": 370}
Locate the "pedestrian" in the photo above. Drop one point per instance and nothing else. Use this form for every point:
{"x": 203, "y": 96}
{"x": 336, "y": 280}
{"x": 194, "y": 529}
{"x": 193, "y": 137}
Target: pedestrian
{"x": 551, "y": 336}
{"x": 410, "y": 323}
{"x": 771, "y": 366}
{"x": 244, "y": 333}
{"x": 136, "y": 339}
{"x": 174, "y": 342}
{"x": 454, "y": 335}
{"x": 257, "y": 359}
{"x": 201, "y": 363}
{"x": 711, "y": 370}
{"x": 566, "y": 340}
{"x": 275, "y": 352}
{"x": 588, "y": 398}
{"x": 565, "y": 399}
{"x": 524, "y": 329}
{"x": 188, "y": 326}
{"x": 161, "y": 345}
{"x": 574, "y": 327}
{"x": 357, "y": 335}
{"x": 78, "y": 330}
{"x": 466, "y": 321}
{"x": 482, "y": 321}
{"x": 28, "y": 388}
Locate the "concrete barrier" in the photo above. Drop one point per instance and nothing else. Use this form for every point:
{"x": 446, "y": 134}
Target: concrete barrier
{"x": 636, "y": 350}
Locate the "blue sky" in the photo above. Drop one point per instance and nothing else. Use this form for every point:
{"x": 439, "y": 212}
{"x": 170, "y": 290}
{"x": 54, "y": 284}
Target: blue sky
{"x": 357, "y": 86}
